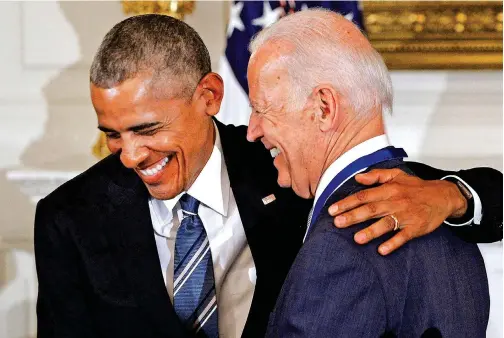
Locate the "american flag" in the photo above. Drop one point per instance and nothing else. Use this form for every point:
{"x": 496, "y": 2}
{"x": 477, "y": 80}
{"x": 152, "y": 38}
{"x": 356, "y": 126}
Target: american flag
{"x": 246, "y": 19}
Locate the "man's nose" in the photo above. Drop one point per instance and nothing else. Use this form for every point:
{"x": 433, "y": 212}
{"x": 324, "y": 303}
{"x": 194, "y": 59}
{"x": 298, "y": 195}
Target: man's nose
{"x": 254, "y": 131}
{"x": 132, "y": 153}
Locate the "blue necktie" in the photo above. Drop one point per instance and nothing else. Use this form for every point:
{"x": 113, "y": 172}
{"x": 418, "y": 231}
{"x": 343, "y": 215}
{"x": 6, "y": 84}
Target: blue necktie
{"x": 194, "y": 297}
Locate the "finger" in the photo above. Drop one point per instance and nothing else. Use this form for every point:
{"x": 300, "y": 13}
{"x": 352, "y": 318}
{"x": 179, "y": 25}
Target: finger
{"x": 370, "y": 195}
{"x": 377, "y": 229}
{"x": 366, "y": 212}
{"x": 378, "y": 176}
{"x": 395, "y": 242}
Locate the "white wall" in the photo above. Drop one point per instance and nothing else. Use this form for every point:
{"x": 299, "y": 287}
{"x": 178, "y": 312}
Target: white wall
{"x": 448, "y": 119}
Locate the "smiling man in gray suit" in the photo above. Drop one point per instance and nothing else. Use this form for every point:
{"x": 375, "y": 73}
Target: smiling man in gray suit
{"x": 318, "y": 91}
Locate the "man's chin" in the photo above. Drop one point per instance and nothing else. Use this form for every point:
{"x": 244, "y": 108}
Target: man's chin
{"x": 283, "y": 184}
{"x": 299, "y": 191}
{"x": 284, "y": 181}
{"x": 302, "y": 194}
{"x": 163, "y": 191}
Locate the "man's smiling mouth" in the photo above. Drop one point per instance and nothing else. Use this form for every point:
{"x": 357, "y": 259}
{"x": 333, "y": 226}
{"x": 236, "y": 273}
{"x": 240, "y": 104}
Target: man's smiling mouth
{"x": 156, "y": 167}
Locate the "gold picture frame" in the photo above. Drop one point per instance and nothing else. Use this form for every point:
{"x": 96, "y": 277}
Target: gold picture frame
{"x": 436, "y": 34}
{"x": 176, "y": 8}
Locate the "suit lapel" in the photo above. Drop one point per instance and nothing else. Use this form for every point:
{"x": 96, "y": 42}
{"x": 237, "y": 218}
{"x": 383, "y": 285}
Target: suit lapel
{"x": 130, "y": 230}
{"x": 253, "y": 177}
{"x": 249, "y": 188}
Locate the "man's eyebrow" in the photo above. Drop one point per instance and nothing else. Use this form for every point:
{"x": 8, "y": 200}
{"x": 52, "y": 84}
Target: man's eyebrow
{"x": 143, "y": 126}
{"x": 134, "y": 128}
{"x": 106, "y": 130}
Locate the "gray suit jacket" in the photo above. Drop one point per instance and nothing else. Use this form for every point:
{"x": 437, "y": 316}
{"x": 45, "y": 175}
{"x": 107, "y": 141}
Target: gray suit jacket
{"x": 434, "y": 286}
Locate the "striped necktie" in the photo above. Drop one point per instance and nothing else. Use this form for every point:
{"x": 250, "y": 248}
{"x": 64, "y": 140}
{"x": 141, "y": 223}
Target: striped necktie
{"x": 194, "y": 297}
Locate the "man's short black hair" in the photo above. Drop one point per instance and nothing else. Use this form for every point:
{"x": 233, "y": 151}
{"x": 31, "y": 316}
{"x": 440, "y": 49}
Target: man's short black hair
{"x": 159, "y": 45}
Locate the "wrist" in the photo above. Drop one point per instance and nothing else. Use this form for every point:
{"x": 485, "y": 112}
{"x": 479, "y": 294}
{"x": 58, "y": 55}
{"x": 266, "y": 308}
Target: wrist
{"x": 458, "y": 202}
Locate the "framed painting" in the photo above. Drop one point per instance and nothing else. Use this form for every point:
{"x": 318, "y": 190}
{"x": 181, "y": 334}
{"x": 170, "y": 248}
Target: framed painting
{"x": 436, "y": 34}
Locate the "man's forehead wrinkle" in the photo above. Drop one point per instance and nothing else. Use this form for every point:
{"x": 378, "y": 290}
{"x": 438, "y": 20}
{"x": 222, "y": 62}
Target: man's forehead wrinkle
{"x": 261, "y": 103}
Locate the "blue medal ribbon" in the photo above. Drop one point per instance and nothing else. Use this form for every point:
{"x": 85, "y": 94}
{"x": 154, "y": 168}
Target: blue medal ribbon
{"x": 385, "y": 154}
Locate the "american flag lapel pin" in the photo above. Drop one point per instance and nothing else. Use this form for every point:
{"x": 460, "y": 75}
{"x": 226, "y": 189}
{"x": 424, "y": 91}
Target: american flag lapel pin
{"x": 268, "y": 199}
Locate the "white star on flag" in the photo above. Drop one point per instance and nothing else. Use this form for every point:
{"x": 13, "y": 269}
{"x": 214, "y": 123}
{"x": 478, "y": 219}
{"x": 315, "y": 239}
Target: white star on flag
{"x": 269, "y": 17}
{"x": 349, "y": 16}
{"x": 234, "y": 19}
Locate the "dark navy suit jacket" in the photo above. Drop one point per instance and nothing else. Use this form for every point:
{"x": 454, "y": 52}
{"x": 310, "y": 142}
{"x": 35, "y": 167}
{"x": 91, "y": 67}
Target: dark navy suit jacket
{"x": 435, "y": 286}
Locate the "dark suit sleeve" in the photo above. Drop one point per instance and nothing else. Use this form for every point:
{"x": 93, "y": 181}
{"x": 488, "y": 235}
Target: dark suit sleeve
{"x": 487, "y": 183}
{"x": 331, "y": 291}
{"x": 61, "y": 306}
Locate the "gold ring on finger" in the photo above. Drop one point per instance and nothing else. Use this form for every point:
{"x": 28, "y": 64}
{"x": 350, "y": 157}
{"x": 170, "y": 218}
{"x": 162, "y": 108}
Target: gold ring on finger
{"x": 396, "y": 223}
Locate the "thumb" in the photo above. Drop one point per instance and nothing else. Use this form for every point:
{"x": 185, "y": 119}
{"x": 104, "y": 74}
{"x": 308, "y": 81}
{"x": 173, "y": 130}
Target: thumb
{"x": 377, "y": 176}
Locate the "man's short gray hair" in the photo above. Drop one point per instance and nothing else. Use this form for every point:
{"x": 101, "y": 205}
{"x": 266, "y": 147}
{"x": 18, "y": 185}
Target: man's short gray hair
{"x": 323, "y": 53}
{"x": 167, "y": 48}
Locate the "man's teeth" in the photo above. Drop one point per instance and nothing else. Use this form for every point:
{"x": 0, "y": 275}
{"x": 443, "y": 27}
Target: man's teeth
{"x": 154, "y": 170}
{"x": 274, "y": 152}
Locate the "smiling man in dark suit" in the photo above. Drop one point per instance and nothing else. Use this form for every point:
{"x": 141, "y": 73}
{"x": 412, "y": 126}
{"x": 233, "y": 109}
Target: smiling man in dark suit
{"x": 183, "y": 231}
{"x": 318, "y": 91}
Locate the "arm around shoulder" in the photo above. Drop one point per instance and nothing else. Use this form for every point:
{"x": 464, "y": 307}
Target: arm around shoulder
{"x": 487, "y": 184}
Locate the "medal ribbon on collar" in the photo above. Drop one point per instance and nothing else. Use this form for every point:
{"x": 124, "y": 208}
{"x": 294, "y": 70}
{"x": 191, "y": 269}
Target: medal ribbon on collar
{"x": 385, "y": 154}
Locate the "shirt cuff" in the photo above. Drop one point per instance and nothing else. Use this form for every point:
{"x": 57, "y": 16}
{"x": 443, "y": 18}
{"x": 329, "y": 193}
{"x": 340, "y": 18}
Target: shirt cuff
{"x": 478, "y": 208}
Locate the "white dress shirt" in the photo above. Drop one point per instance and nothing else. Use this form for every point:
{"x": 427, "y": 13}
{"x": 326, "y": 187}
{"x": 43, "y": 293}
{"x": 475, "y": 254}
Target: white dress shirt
{"x": 370, "y": 146}
{"x": 234, "y": 268}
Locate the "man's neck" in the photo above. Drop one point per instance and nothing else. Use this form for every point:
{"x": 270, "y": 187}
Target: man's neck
{"x": 348, "y": 136}
{"x": 206, "y": 151}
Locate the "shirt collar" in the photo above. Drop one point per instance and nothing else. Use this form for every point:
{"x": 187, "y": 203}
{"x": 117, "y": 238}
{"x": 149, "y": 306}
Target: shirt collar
{"x": 365, "y": 148}
{"x": 211, "y": 187}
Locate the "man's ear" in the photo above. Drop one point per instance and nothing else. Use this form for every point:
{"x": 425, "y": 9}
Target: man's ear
{"x": 210, "y": 91}
{"x": 327, "y": 100}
